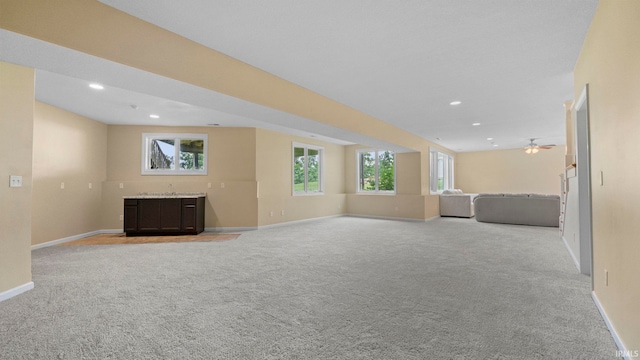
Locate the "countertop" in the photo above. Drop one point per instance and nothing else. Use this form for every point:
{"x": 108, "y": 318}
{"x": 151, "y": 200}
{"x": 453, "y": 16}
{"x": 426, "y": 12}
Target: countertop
{"x": 167, "y": 195}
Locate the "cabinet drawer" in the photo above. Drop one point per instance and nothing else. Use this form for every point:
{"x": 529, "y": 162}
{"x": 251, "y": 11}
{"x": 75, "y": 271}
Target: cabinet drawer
{"x": 189, "y": 201}
{"x": 130, "y": 202}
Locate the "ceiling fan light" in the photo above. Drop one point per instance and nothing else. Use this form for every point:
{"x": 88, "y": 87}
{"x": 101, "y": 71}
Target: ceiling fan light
{"x": 534, "y": 150}
{"x": 528, "y": 150}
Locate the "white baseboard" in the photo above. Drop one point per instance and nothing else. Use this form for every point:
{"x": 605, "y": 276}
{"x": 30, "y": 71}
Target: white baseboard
{"x": 388, "y": 218}
{"x": 64, "y": 240}
{"x": 623, "y": 352}
{"x": 110, "y": 231}
{"x": 239, "y": 229}
{"x": 75, "y": 237}
{"x": 229, "y": 229}
{"x": 573, "y": 256}
{"x": 299, "y": 221}
{"x": 16, "y": 291}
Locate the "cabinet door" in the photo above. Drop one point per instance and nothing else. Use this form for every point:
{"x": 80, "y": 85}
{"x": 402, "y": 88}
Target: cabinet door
{"x": 149, "y": 215}
{"x": 171, "y": 214}
{"x": 130, "y": 215}
{"x": 189, "y": 215}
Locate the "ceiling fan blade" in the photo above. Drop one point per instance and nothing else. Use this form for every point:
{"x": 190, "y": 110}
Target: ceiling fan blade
{"x": 545, "y": 147}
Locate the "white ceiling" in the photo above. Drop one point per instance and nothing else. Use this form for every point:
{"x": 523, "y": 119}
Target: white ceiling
{"x": 509, "y": 62}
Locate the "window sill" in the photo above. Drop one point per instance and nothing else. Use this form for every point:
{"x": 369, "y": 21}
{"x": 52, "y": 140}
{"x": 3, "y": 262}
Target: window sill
{"x": 175, "y": 173}
{"x": 308, "y": 194}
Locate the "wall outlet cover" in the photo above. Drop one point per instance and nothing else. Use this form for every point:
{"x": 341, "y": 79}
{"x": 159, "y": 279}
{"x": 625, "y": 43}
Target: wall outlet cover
{"x": 15, "y": 181}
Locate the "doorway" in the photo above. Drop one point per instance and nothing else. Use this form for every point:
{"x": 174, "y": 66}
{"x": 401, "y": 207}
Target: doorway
{"x": 583, "y": 161}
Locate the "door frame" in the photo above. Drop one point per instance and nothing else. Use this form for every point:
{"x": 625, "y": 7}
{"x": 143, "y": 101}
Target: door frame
{"x": 583, "y": 161}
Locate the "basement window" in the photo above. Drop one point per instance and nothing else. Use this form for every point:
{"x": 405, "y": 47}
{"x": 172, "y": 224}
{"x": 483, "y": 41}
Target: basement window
{"x": 441, "y": 176}
{"x": 308, "y": 171}
{"x": 376, "y": 171}
{"x": 174, "y": 154}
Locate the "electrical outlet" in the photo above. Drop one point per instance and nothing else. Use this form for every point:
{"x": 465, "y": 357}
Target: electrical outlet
{"x": 121, "y": 185}
{"x": 121, "y": 217}
{"x": 62, "y": 185}
{"x": 222, "y": 185}
{"x": 271, "y": 213}
{"x": 90, "y": 186}
{"x": 282, "y": 212}
{"x": 208, "y": 185}
{"x": 15, "y": 181}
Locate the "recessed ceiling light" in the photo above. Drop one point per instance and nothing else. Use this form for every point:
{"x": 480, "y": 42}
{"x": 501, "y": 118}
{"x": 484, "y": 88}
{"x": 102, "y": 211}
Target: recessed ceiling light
{"x": 154, "y": 116}
{"x": 457, "y": 102}
{"x": 96, "y": 86}
{"x": 489, "y": 139}
{"x": 475, "y": 124}
{"x": 496, "y": 145}
{"x": 438, "y": 139}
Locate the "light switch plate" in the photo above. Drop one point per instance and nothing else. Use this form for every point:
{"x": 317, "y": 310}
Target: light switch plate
{"x": 15, "y": 181}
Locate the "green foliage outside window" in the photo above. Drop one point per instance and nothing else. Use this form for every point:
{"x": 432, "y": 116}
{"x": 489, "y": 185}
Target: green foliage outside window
{"x": 313, "y": 170}
{"x": 386, "y": 162}
{"x": 385, "y": 179}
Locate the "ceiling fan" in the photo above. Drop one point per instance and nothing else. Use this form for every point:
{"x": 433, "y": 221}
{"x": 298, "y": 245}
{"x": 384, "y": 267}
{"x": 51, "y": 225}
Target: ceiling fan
{"x": 533, "y": 148}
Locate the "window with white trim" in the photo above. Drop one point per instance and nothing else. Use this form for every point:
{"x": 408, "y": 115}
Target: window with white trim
{"x": 441, "y": 171}
{"x": 308, "y": 169}
{"x": 376, "y": 171}
{"x": 174, "y": 154}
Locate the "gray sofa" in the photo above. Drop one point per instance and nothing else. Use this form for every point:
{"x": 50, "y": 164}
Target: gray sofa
{"x": 519, "y": 209}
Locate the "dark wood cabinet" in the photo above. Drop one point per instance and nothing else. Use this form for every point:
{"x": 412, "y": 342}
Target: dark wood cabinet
{"x": 130, "y": 215}
{"x": 163, "y": 216}
{"x": 189, "y": 214}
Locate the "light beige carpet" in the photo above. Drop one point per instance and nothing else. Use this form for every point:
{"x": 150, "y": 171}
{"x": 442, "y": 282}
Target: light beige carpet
{"x": 113, "y": 239}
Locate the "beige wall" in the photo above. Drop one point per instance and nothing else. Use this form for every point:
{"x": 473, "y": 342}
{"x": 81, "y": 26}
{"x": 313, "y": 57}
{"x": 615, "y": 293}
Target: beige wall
{"x": 16, "y": 139}
{"x": 249, "y": 178}
{"x": 408, "y": 174}
{"x": 610, "y": 64}
{"x": 232, "y": 197}
{"x": 70, "y": 149}
{"x": 274, "y": 175}
{"x": 510, "y": 171}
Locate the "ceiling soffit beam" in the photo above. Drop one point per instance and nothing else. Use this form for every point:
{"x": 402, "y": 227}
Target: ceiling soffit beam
{"x": 100, "y": 30}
